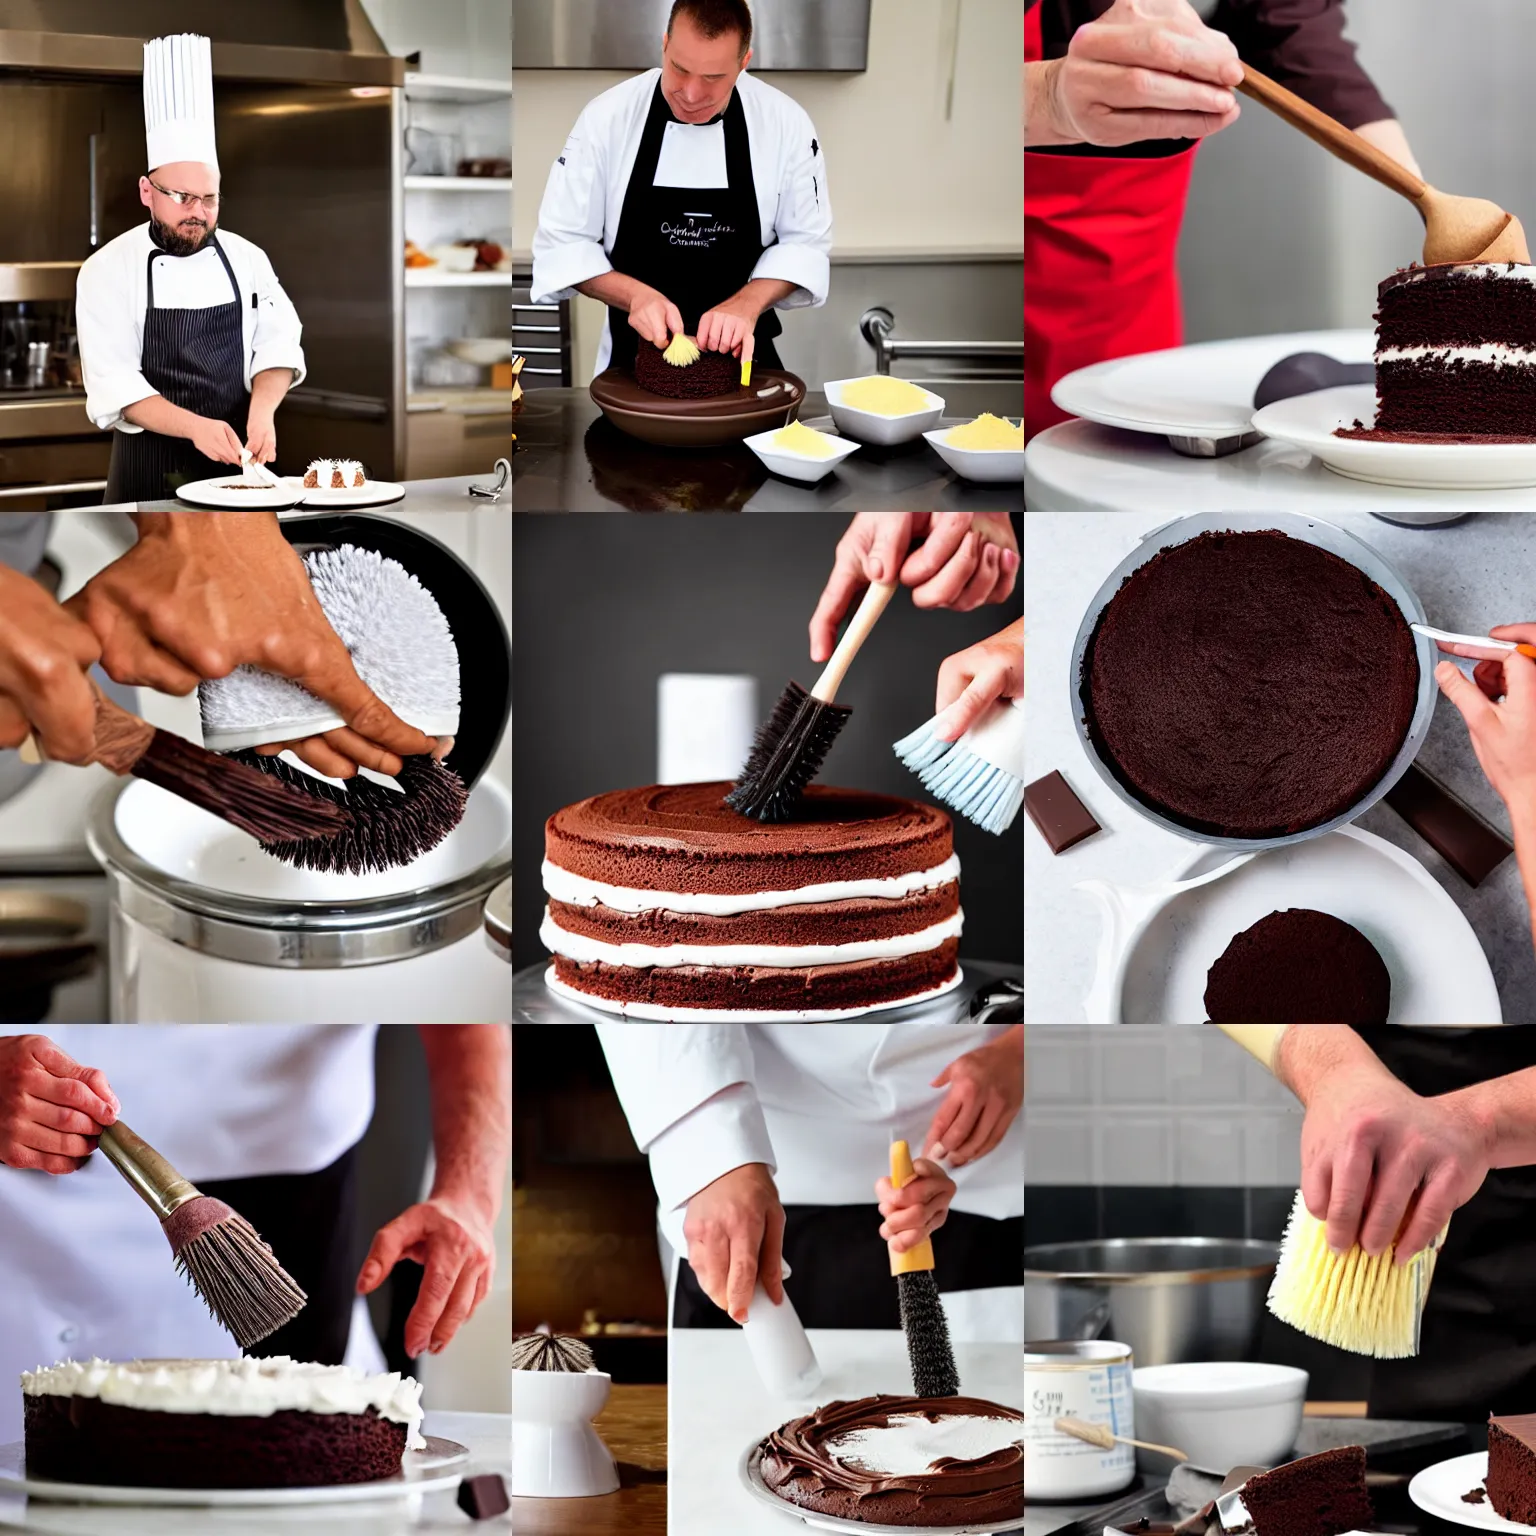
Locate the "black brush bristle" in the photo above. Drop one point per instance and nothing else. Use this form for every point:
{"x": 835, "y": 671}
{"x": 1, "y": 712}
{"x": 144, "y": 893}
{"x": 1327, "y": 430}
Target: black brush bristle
{"x": 928, "y": 1346}
{"x": 788, "y": 753}
{"x": 387, "y": 827}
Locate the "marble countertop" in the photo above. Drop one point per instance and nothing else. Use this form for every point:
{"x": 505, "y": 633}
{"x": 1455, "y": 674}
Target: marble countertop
{"x": 488, "y": 1437}
{"x": 1469, "y": 576}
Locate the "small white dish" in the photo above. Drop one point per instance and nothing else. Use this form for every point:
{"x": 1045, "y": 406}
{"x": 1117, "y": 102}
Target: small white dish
{"x": 556, "y": 1453}
{"x": 986, "y": 466}
{"x": 1438, "y": 1490}
{"x": 882, "y": 431}
{"x": 798, "y": 466}
{"x": 1220, "y": 1413}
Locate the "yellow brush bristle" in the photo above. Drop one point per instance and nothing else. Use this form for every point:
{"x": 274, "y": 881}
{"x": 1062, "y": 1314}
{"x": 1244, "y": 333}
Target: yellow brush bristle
{"x": 1369, "y": 1306}
{"x": 683, "y": 351}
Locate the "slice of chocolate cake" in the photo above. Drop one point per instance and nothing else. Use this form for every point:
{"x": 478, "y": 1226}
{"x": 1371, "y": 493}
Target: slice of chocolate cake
{"x": 1322, "y": 1495}
{"x": 1298, "y": 966}
{"x": 1511, "y": 1480}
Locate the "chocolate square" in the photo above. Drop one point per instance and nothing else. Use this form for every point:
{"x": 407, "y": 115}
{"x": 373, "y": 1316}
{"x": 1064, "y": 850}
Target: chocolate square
{"x": 1062, "y": 818}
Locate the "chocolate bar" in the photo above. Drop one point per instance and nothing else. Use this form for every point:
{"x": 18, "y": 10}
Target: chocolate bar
{"x": 1463, "y": 839}
{"x": 1062, "y": 818}
{"x": 483, "y": 1497}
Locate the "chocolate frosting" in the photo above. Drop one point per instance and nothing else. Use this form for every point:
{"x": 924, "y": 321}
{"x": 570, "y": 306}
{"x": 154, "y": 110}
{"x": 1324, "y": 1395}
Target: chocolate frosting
{"x": 796, "y": 1465}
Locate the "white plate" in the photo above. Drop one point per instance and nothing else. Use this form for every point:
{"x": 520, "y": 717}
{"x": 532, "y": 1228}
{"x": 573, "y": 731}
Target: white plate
{"x": 1437, "y": 1490}
{"x": 870, "y": 426}
{"x": 986, "y": 466}
{"x": 213, "y": 493}
{"x": 1205, "y": 390}
{"x": 422, "y": 1470}
{"x": 798, "y": 466}
{"x": 1439, "y": 972}
{"x": 1308, "y": 422}
{"x": 752, "y": 1481}
{"x": 374, "y": 494}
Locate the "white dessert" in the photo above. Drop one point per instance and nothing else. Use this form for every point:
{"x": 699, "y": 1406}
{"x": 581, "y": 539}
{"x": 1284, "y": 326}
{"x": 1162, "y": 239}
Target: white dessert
{"x": 910, "y": 1444}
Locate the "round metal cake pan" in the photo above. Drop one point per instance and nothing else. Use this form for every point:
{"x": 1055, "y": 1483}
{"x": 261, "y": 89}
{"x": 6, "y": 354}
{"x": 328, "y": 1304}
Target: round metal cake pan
{"x": 1310, "y": 530}
{"x": 706, "y": 423}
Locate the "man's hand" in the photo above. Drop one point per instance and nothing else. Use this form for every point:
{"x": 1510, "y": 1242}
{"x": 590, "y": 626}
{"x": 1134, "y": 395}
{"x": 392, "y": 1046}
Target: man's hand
{"x": 261, "y": 436}
{"x": 972, "y": 679}
{"x": 44, "y": 655}
{"x": 961, "y": 560}
{"x": 454, "y": 1244}
{"x": 735, "y": 1232}
{"x": 216, "y": 440}
{"x": 202, "y": 593}
{"x": 655, "y": 317}
{"x": 727, "y": 326}
{"x": 916, "y": 1210}
{"x": 1146, "y": 69}
{"x": 986, "y": 1088}
{"x": 51, "y": 1108}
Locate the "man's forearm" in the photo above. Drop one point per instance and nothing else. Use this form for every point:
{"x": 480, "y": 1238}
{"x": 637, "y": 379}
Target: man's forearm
{"x": 1040, "y": 128}
{"x": 268, "y": 388}
{"x": 157, "y": 414}
{"x": 470, "y": 1069}
{"x": 1505, "y": 1109}
{"x": 614, "y": 288}
{"x": 1310, "y": 1052}
{"x": 765, "y": 292}
{"x": 1522, "y": 821}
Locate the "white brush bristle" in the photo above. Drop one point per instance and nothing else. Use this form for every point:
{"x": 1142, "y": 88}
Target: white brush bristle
{"x": 981, "y": 791}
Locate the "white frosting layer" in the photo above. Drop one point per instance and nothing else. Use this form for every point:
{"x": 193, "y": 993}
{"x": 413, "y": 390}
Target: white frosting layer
{"x": 258, "y": 1388}
{"x": 1520, "y": 273}
{"x": 578, "y": 946}
{"x": 561, "y": 885}
{"x": 1495, "y": 352}
{"x": 911, "y": 1444}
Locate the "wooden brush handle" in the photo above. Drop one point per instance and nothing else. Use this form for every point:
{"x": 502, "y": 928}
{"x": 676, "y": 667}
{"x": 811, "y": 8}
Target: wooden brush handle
{"x": 121, "y": 739}
{"x": 854, "y": 636}
{"x": 919, "y": 1255}
{"x": 1106, "y": 1439}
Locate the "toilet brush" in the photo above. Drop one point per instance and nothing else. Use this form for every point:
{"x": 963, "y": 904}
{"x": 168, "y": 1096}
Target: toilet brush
{"x": 217, "y": 1249}
{"x": 922, "y": 1313}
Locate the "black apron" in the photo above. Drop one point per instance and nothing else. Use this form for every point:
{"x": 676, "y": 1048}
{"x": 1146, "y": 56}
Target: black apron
{"x": 196, "y": 359}
{"x": 696, "y": 245}
{"x": 842, "y": 1268}
{"x": 1477, "y": 1343}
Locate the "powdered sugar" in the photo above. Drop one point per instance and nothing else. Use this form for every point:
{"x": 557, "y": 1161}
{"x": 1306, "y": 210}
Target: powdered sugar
{"x": 911, "y": 1444}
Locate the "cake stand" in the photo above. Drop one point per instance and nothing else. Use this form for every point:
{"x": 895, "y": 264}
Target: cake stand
{"x": 771, "y": 400}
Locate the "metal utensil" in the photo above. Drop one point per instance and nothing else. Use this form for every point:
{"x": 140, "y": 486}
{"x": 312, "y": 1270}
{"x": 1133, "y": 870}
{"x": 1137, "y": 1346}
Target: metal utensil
{"x": 998, "y": 1002}
{"x": 493, "y": 492}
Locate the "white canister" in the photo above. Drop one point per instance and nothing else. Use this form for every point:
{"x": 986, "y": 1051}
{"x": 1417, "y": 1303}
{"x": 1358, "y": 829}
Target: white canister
{"x": 1079, "y": 1379}
{"x": 705, "y": 723}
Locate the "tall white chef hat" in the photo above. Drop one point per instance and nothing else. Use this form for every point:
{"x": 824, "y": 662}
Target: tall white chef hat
{"x": 178, "y": 100}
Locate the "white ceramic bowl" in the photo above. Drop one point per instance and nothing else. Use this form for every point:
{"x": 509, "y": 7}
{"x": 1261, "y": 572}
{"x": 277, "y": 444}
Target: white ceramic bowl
{"x": 482, "y": 350}
{"x": 885, "y": 431}
{"x": 1222, "y": 1413}
{"x": 987, "y": 466}
{"x": 798, "y": 466}
{"x": 556, "y": 1453}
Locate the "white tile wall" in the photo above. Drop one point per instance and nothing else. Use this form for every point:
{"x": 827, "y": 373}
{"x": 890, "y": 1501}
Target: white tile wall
{"x": 1149, "y": 1105}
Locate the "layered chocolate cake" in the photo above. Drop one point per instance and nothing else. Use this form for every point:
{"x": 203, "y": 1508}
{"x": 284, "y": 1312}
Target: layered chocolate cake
{"x": 1321, "y": 1495}
{"x": 1249, "y": 685}
{"x": 920, "y": 1461}
{"x": 241, "y": 1423}
{"x": 1298, "y": 966}
{"x": 1511, "y": 1480}
{"x": 713, "y": 373}
{"x": 1455, "y": 355}
{"x": 664, "y": 902}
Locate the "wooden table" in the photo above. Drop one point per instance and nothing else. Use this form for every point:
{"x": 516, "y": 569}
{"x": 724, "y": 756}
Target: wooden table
{"x": 634, "y": 1428}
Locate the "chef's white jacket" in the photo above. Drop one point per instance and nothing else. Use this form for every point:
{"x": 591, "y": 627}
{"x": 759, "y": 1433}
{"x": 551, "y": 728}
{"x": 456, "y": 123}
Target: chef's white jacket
{"x": 84, "y": 1267}
{"x": 112, "y": 292}
{"x": 584, "y": 196}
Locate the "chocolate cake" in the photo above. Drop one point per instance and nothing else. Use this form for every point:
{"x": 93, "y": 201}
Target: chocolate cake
{"x": 242, "y": 1423}
{"x": 1321, "y": 1495}
{"x": 1511, "y": 1480}
{"x": 920, "y": 1461}
{"x": 715, "y": 373}
{"x": 663, "y": 901}
{"x": 1455, "y": 355}
{"x": 1249, "y": 685}
{"x": 1299, "y": 967}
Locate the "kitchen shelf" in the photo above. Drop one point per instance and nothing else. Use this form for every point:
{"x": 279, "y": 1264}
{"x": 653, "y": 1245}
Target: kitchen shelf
{"x": 502, "y": 184}
{"x": 461, "y": 88}
{"x": 424, "y": 277}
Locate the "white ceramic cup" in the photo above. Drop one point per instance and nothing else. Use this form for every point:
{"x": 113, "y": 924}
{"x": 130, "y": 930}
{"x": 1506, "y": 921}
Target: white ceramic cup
{"x": 556, "y": 1453}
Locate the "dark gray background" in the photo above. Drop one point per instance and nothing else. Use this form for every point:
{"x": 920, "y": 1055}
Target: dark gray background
{"x": 603, "y": 605}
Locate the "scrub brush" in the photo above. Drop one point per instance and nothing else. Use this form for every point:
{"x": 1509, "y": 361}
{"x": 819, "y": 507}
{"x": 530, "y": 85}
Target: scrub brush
{"x": 981, "y": 774}
{"x": 682, "y": 351}
{"x": 922, "y": 1314}
{"x": 792, "y": 745}
{"x": 217, "y": 1249}
{"x": 402, "y": 647}
{"x": 551, "y": 1352}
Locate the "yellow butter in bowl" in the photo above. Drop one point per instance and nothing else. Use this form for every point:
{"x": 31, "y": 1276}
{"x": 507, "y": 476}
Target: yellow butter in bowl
{"x": 799, "y": 438}
{"x": 987, "y": 432}
{"x": 885, "y": 396}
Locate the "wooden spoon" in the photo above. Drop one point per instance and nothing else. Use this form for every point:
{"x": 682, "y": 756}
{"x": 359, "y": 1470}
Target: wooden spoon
{"x": 1455, "y": 228}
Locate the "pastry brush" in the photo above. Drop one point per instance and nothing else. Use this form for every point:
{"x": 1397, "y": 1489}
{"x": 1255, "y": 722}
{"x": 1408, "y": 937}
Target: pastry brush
{"x": 981, "y": 773}
{"x": 922, "y": 1314}
{"x": 1369, "y": 1306}
{"x": 217, "y": 1249}
{"x": 792, "y": 745}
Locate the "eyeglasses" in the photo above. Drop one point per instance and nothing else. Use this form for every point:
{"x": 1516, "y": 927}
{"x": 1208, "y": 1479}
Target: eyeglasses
{"x": 187, "y": 199}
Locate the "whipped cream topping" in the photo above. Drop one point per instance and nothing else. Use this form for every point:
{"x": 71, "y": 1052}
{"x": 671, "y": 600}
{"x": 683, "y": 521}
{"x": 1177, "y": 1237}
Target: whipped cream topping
{"x": 912, "y": 1443}
{"x": 1515, "y": 272}
{"x": 258, "y": 1388}
{"x": 1499, "y": 353}
{"x": 561, "y": 885}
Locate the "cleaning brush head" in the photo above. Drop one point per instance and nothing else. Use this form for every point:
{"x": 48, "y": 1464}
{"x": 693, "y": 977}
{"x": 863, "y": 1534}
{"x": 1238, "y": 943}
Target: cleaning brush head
{"x": 787, "y": 754}
{"x": 928, "y": 1348}
{"x": 682, "y": 351}
{"x": 980, "y": 775}
{"x": 551, "y": 1352}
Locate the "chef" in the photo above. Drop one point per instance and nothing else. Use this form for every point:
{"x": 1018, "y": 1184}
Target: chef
{"x": 187, "y": 341}
{"x": 769, "y": 1128}
{"x": 690, "y": 200}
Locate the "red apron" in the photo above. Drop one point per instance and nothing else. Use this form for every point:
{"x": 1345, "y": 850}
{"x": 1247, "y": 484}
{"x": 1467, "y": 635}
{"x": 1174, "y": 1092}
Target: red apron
{"x": 1100, "y": 272}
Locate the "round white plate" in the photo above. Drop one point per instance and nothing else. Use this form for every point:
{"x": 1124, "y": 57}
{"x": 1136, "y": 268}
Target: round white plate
{"x": 374, "y": 494}
{"x": 1437, "y": 1490}
{"x": 1205, "y": 390}
{"x": 215, "y": 493}
{"x": 1308, "y": 421}
{"x": 423, "y": 1470}
{"x": 1439, "y": 972}
{"x": 752, "y": 1481}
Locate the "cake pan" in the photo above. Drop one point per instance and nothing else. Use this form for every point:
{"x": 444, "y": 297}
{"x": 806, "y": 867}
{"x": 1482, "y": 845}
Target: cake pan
{"x": 1310, "y": 530}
